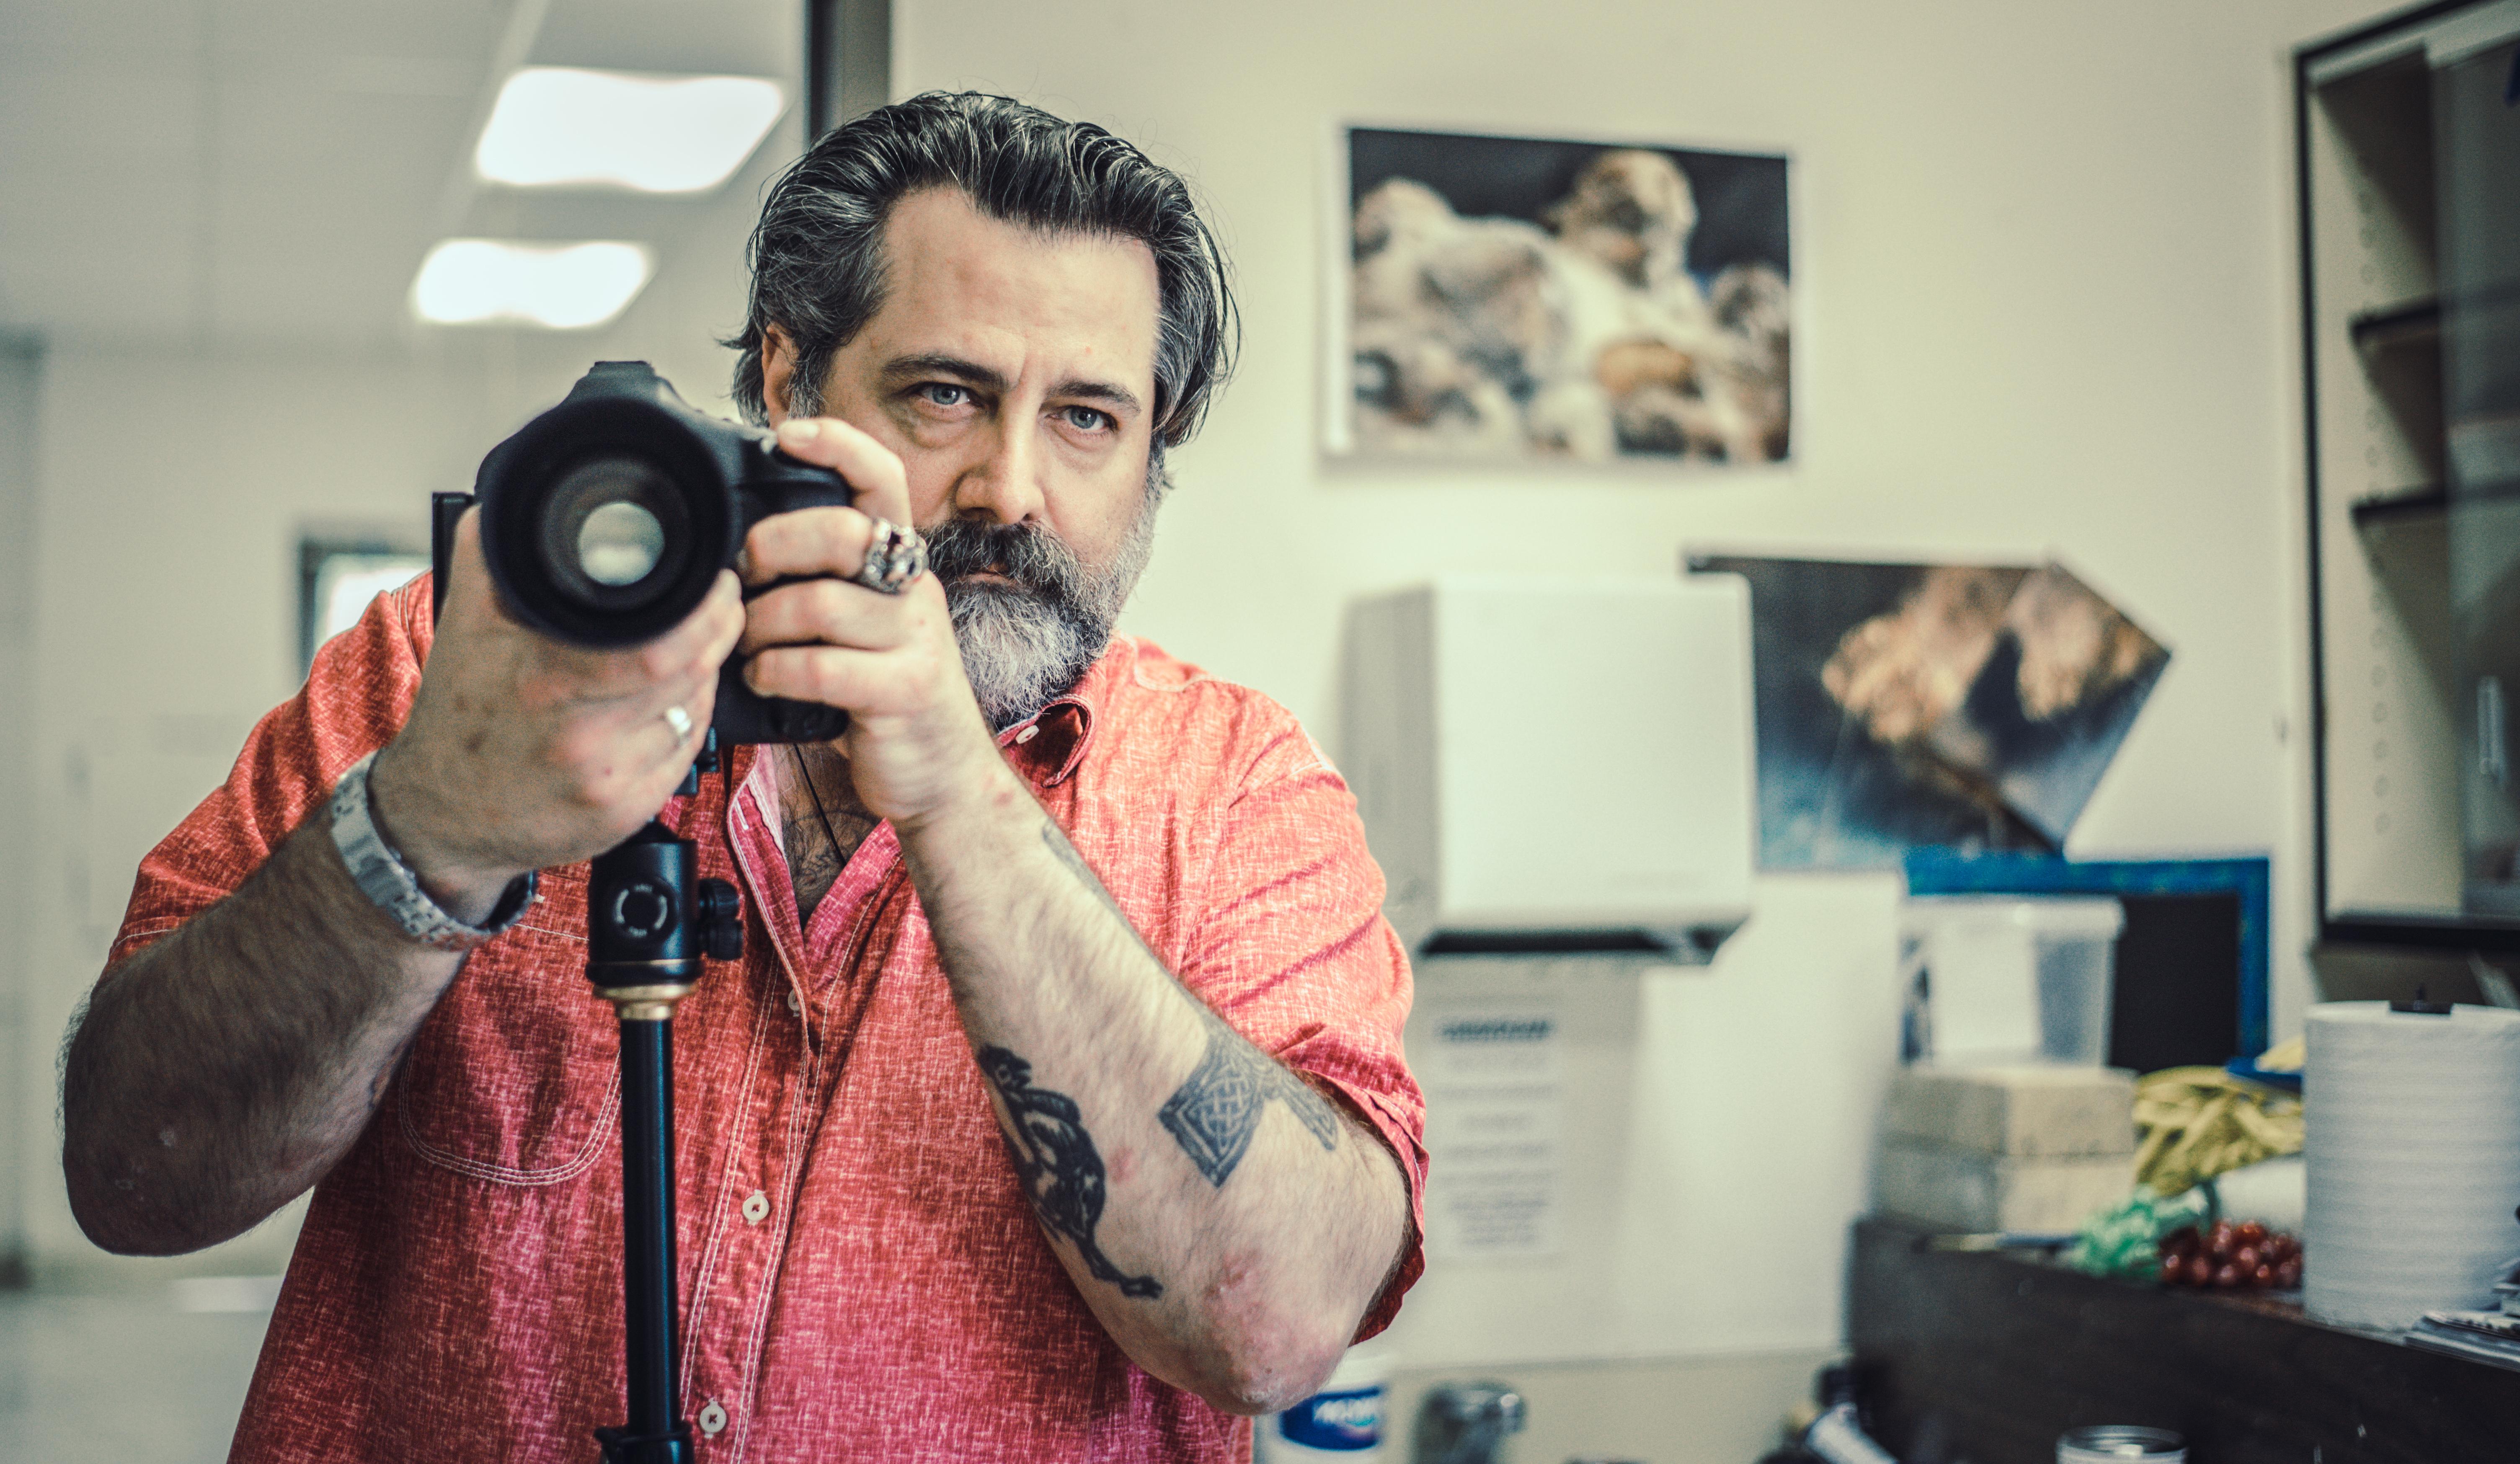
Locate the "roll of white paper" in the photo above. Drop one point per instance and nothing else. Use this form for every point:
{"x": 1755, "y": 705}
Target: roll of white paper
{"x": 2413, "y": 1153}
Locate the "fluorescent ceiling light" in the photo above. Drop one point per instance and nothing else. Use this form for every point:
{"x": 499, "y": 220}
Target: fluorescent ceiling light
{"x": 565, "y": 287}
{"x": 558, "y": 125}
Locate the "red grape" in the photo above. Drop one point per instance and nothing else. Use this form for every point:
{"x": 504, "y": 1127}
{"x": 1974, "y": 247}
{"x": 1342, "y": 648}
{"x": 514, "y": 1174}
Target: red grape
{"x": 2227, "y": 1275}
{"x": 2288, "y": 1274}
{"x": 2200, "y": 1271}
{"x": 2264, "y": 1275}
{"x": 2248, "y": 1232}
{"x": 2247, "y": 1258}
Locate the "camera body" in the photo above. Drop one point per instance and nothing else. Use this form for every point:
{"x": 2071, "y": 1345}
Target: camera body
{"x": 606, "y": 519}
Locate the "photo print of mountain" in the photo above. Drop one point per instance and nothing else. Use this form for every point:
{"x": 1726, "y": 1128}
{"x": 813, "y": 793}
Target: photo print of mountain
{"x": 1517, "y": 299}
{"x": 1903, "y": 705}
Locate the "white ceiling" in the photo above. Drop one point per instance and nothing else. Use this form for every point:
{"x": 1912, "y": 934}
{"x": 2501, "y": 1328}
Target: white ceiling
{"x": 217, "y": 172}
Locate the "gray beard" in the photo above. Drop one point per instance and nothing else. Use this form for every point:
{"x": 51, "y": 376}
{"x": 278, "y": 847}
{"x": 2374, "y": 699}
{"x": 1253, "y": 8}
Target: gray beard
{"x": 1026, "y": 641}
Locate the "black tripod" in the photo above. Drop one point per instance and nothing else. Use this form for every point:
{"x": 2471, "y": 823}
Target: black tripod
{"x": 648, "y": 926}
{"x": 648, "y": 923}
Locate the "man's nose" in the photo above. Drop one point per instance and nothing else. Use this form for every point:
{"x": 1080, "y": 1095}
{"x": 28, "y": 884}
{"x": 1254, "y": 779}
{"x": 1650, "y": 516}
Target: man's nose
{"x": 1005, "y": 485}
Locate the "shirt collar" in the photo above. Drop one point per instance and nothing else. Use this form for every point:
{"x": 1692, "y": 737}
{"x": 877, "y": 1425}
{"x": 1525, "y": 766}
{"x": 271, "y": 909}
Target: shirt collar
{"x": 1050, "y": 744}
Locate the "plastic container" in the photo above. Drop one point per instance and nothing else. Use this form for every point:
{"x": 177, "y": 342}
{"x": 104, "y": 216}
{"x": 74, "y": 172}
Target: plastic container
{"x": 1342, "y": 1422}
{"x": 2121, "y": 1443}
{"x": 2009, "y": 978}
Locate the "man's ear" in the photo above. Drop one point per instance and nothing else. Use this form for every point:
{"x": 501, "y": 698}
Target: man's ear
{"x": 778, "y": 365}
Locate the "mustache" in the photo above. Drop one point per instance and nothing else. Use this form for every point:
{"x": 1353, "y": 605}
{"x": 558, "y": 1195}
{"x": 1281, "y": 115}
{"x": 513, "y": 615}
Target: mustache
{"x": 1028, "y": 554}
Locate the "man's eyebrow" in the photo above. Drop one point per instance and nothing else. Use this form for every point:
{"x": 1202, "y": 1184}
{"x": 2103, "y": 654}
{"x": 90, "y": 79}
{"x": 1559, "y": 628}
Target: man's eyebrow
{"x": 1111, "y": 392}
{"x": 908, "y": 369}
{"x": 936, "y": 364}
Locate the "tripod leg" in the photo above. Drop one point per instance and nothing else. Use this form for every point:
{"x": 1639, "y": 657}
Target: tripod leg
{"x": 649, "y": 924}
{"x": 654, "y": 1435}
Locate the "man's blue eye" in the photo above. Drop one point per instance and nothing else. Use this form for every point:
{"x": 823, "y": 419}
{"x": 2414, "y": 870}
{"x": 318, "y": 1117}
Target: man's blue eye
{"x": 944, "y": 394}
{"x": 1086, "y": 418}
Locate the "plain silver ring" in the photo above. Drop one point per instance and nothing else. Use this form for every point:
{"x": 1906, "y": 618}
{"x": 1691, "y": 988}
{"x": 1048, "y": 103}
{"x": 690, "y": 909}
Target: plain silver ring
{"x": 681, "y": 722}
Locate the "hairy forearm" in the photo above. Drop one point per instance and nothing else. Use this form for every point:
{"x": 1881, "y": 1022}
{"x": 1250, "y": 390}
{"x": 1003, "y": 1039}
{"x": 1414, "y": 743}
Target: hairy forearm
{"x": 1226, "y": 1222}
{"x": 218, "y": 1072}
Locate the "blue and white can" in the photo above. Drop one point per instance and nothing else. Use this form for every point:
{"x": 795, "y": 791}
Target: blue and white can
{"x": 1342, "y": 1422}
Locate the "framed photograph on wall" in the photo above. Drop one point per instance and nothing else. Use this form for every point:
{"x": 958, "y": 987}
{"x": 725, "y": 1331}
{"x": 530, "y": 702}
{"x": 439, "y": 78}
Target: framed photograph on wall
{"x": 1516, "y": 299}
{"x": 1900, "y": 705}
{"x": 338, "y": 572}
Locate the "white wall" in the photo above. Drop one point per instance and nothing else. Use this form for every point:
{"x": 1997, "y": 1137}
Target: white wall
{"x": 2044, "y": 260}
{"x": 20, "y": 378}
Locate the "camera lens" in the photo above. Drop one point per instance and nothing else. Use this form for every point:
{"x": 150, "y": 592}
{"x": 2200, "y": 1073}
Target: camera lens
{"x": 613, "y": 532}
{"x": 619, "y": 542}
{"x": 606, "y": 519}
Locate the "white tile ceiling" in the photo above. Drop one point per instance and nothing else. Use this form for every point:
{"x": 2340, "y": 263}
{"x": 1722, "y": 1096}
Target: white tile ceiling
{"x": 208, "y": 172}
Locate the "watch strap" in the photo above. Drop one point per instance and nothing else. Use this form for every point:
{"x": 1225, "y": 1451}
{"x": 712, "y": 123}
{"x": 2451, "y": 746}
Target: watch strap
{"x": 382, "y": 874}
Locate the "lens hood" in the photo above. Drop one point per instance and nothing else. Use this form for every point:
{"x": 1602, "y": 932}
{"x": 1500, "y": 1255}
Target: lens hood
{"x": 620, "y": 438}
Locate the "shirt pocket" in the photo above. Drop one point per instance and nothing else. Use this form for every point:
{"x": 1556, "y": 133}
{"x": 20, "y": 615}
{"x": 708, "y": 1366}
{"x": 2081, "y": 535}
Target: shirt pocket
{"x": 514, "y": 1078}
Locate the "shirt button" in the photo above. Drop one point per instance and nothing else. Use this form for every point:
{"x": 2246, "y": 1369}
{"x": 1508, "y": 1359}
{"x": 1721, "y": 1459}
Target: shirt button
{"x": 1027, "y": 734}
{"x": 795, "y": 1004}
{"x": 756, "y": 1208}
{"x": 712, "y": 1418}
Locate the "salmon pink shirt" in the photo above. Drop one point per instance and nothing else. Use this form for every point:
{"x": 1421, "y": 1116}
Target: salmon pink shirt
{"x": 862, "y": 1279}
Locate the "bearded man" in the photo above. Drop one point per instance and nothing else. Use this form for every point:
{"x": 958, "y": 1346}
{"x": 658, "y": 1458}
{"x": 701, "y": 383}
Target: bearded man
{"x": 1056, "y": 1110}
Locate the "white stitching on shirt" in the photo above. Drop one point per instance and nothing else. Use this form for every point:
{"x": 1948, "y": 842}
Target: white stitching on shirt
{"x": 706, "y": 1276}
{"x": 598, "y": 1139}
{"x": 808, "y": 1098}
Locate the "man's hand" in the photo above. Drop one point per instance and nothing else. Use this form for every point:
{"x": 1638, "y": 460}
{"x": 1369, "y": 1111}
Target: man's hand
{"x": 916, "y": 742}
{"x": 523, "y": 753}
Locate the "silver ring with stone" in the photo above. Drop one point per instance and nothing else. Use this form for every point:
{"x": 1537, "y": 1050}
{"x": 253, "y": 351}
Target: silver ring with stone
{"x": 681, "y": 722}
{"x": 894, "y": 557}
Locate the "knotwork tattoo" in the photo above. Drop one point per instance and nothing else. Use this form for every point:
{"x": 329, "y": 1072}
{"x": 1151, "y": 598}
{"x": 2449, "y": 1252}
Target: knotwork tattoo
{"x": 1215, "y": 1112}
{"x": 1061, "y": 1168}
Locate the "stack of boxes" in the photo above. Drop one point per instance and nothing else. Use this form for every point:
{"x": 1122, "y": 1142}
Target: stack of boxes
{"x": 2032, "y": 1148}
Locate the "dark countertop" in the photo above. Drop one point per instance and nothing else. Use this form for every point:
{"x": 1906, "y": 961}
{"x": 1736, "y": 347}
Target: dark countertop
{"x": 1986, "y": 1357}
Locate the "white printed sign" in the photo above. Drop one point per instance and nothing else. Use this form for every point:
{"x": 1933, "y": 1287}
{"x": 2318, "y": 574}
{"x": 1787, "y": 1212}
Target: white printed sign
{"x": 1494, "y": 1080}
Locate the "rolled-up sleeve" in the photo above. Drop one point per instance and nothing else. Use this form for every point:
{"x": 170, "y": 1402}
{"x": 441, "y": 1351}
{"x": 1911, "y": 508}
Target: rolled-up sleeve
{"x": 1291, "y": 948}
{"x": 355, "y": 700}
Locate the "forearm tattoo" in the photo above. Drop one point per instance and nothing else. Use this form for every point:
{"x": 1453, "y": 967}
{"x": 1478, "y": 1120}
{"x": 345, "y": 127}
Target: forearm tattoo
{"x": 1217, "y": 1110}
{"x": 1056, "y": 1161}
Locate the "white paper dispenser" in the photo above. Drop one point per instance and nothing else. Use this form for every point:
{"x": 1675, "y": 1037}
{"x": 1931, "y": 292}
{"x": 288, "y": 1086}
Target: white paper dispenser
{"x": 1556, "y": 764}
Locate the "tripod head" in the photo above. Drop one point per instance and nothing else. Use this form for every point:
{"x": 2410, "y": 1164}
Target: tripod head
{"x": 648, "y": 923}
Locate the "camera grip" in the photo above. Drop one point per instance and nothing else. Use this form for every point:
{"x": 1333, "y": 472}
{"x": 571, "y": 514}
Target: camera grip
{"x": 745, "y": 716}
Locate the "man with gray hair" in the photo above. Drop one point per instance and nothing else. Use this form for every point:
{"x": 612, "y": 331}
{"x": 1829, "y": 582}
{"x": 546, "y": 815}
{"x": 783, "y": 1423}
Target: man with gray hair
{"x": 1056, "y": 1110}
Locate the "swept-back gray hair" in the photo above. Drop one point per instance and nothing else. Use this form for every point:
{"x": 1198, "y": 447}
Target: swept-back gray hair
{"x": 817, "y": 255}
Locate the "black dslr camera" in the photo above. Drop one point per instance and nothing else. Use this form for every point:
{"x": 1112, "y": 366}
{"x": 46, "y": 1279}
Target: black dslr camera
{"x": 606, "y": 519}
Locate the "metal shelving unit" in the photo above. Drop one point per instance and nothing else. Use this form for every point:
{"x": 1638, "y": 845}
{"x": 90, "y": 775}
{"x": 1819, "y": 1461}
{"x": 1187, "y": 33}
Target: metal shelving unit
{"x": 2408, "y": 161}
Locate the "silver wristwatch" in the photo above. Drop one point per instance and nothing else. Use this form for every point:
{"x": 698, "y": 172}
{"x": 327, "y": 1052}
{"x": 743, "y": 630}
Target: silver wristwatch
{"x": 384, "y": 877}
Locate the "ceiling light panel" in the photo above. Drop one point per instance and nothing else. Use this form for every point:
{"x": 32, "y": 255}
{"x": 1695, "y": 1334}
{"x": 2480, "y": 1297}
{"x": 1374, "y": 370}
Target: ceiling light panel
{"x": 559, "y": 286}
{"x": 563, "y": 127}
